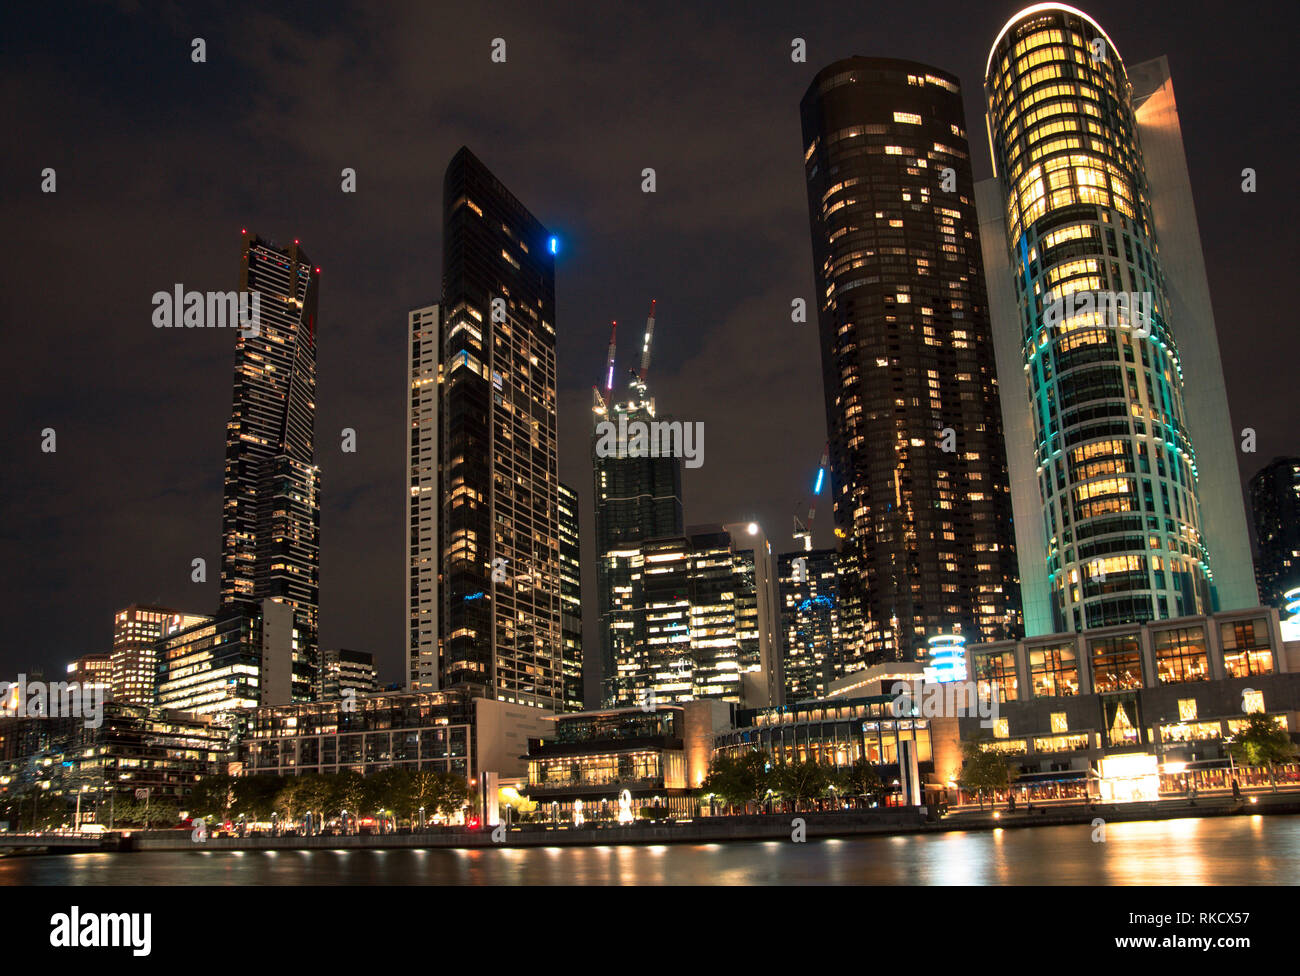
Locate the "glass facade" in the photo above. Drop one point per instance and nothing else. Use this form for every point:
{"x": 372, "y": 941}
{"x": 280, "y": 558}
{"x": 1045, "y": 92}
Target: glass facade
{"x": 271, "y": 502}
{"x": 1116, "y": 466}
{"x": 918, "y": 466}
{"x": 500, "y": 602}
{"x": 1054, "y": 671}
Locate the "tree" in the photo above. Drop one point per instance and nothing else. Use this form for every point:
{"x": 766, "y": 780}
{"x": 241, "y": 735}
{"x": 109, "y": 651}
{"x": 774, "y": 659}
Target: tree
{"x": 1263, "y": 742}
{"x": 739, "y": 780}
{"x": 983, "y": 771}
{"x": 254, "y": 796}
{"x": 800, "y": 782}
{"x": 211, "y": 798}
{"x": 315, "y": 794}
{"x": 861, "y": 780}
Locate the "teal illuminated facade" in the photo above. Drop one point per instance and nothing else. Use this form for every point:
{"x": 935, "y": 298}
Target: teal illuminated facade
{"x": 1115, "y": 467}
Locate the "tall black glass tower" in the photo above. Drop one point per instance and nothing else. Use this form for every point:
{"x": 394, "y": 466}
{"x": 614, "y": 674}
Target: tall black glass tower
{"x": 500, "y": 588}
{"x": 918, "y": 463}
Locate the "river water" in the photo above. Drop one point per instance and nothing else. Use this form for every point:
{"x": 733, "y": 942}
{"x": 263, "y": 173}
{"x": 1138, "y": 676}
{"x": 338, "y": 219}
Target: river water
{"x": 1222, "y": 850}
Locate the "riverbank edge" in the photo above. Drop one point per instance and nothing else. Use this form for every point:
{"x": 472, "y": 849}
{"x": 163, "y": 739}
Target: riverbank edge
{"x": 820, "y": 826}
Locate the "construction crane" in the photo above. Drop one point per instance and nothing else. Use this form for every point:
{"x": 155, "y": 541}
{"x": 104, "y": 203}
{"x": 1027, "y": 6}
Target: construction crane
{"x": 804, "y": 531}
{"x": 601, "y": 403}
{"x": 645, "y": 346}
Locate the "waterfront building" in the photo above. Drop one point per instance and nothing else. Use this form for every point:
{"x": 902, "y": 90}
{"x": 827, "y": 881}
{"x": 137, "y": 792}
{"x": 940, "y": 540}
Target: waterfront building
{"x": 1161, "y": 697}
{"x": 152, "y": 753}
{"x": 455, "y": 731}
{"x": 659, "y": 755}
{"x": 271, "y": 501}
{"x": 136, "y": 632}
{"x": 500, "y": 599}
{"x": 1275, "y": 501}
{"x": 918, "y": 467}
{"x": 1123, "y": 467}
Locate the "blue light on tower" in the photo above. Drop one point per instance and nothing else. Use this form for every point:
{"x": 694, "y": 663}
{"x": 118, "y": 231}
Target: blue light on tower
{"x": 821, "y": 474}
{"x": 947, "y": 658}
{"x": 554, "y": 245}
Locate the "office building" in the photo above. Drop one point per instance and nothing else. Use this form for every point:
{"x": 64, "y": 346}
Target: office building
{"x": 571, "y": 599}
{"x": 241, "y": 658}
{"x": 1123, "y": 471}
{"x": 706, "y": 603}
{"x": 500, "y": 607}
{"x": 1275, "y": 501}
{"x": 136, "y": 632}
{"x": 423, "y": 499}
{"x": 271, "y": 504}
{"x": 918, "y": 469}
{"x": 93, "y": 669}
{"x": 349, "y": 672}
{"x": 637, "y": 497}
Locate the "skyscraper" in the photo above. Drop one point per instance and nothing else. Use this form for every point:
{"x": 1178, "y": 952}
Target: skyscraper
{"x": 637, "y": 497}
{"x": 571, "y": 599}
{"x": 422, "y": 499}
{"x": 1275, "y": 499}
{"x": 1110, "y": 409}
{"x": 500, "y": 536}
{"x": 271, "y": 505}
{"x": 912, "y": 409}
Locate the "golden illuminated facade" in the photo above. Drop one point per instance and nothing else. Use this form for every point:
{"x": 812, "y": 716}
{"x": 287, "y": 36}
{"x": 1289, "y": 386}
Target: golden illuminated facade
{"x": 1116, "y": 469}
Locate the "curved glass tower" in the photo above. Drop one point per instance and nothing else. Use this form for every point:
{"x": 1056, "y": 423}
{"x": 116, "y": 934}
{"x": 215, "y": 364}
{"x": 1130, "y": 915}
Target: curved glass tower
{"x": 1115, "y": 463}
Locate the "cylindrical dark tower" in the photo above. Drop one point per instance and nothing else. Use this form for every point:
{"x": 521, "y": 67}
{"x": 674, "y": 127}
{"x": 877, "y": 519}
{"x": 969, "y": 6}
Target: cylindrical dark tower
{"x": 918, "y": 462}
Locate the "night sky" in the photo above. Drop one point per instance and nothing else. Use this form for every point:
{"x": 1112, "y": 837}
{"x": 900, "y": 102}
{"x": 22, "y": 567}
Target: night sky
{"x": 160, "y": 162}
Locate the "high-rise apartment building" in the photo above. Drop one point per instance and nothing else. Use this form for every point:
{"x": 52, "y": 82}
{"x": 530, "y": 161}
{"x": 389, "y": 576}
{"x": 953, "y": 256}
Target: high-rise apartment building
{"x": 918, "y": 466}
{"x": 812, "y": 642}
{"x": 271, "y": 504}
{"x": 1123, "y": 471}
{"x": 571, "y": 599}
{"x": 637, "y": 497}
{"x": 423, "y": 499}
{"x": 136, "y": 632}
{"x": 500, "y": 610}
{"x": 1275, "y": 500}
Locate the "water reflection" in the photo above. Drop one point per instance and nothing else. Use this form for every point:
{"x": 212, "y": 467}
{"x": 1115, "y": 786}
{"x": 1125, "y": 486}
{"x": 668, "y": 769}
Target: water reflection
{"x": 1236, "y": 850}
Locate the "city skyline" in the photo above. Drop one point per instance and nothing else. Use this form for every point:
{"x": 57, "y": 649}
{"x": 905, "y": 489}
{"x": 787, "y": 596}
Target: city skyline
{"x": 172, "y": 491}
